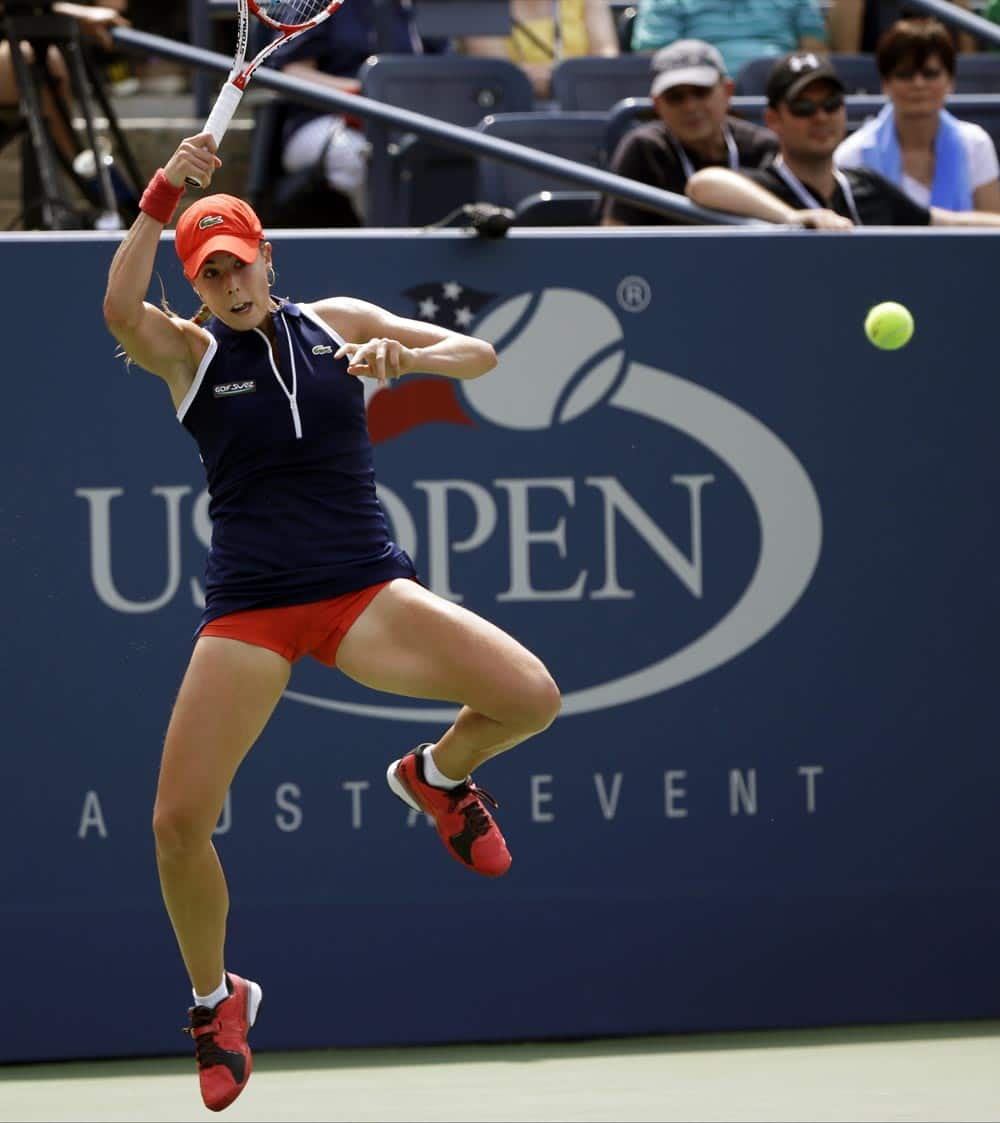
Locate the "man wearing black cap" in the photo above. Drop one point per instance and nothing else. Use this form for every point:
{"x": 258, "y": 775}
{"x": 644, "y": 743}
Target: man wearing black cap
{"x": 690, "y": 92}
{"x": 803, "y": 187}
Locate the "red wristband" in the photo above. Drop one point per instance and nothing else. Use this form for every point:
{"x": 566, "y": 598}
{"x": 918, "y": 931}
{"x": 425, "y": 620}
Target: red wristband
{"x": 160, "y": 198}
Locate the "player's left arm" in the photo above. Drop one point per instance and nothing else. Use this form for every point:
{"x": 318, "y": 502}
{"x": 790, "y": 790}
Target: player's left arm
{"x": 382, "y": 345}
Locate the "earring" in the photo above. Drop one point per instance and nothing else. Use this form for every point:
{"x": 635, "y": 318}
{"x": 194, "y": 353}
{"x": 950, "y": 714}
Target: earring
{"x": 271, "y": 275}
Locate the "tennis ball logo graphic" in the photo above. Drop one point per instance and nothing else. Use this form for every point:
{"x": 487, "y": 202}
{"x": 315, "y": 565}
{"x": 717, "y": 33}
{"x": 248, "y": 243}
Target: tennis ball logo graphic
{"x": 561, "y": 353}
{"x": 889, "y": 325}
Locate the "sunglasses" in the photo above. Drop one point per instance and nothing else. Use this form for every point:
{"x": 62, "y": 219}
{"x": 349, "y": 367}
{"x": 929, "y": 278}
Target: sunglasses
{"x": 806, "y": 108}
{"x": 680, "y": 94}
{"x": 908, "y": 73}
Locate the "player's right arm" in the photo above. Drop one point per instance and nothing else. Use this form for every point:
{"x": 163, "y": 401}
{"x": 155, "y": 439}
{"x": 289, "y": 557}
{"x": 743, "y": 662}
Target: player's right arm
{"x": 166, "y": 345}
{"x": 151, "y": 338}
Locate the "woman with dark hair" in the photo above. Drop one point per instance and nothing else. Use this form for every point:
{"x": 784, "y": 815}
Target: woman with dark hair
{"x": 915, "y": 142}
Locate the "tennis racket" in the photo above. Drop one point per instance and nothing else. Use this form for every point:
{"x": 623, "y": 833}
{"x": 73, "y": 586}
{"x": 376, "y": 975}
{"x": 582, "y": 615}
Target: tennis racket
{"x": 290, "y": 18}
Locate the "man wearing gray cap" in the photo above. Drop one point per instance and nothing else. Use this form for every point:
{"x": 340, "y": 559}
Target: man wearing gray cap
{"x": 690, "y": 91}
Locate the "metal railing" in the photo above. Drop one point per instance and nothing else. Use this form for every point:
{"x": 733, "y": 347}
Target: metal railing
{"x": 442, "y": 132}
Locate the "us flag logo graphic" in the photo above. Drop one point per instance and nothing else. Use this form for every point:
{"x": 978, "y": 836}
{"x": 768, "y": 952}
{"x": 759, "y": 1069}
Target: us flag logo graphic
{"x": 422, "y": 400}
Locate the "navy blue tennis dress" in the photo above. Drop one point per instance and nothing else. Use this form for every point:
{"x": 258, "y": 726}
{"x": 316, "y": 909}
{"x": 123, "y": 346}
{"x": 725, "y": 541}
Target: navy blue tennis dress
{"x": 295, "y": 517}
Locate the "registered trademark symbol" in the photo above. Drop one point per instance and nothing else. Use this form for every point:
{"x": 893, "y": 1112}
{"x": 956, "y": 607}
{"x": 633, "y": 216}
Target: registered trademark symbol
{"x": 634, "y": 294}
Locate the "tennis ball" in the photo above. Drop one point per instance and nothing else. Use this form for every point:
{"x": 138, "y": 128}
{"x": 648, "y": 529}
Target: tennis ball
{"x": 889, "y": 325}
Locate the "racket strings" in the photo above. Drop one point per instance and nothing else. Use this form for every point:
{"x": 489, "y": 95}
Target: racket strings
{"x": 290, "y": 13}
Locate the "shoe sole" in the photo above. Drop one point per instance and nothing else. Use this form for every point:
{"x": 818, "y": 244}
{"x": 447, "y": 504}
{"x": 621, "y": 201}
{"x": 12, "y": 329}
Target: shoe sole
{"x": 254, "y": 999}
{"x": 399, "y": 789}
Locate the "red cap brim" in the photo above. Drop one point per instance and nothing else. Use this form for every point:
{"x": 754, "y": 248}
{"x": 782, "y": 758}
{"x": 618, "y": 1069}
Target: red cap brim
{"x": 246, "y": 249}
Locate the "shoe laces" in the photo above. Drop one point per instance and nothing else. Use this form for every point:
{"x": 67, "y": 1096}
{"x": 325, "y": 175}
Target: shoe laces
{"x": 475, "y": 814}
{"x": 207, "y": 1050}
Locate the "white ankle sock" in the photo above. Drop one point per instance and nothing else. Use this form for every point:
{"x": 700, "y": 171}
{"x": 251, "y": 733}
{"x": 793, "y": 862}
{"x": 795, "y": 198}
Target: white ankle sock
{"x": 212, "y": 1000}
{"x": 434, "y": 776}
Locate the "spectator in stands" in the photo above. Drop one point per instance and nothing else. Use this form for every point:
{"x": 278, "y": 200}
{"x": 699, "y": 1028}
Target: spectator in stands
{"x": 914, "y": 141}
{"x": 154, "y": 74}
{"x": 742, "y": 32}
{"x": 803, "y": 186}
{"x": 95, "y": 23}
{"x": 546, "y": 31}
{"x": 690, "y": 91}
{"x": 855, "y": 26}
{"x": 331, "y": 56}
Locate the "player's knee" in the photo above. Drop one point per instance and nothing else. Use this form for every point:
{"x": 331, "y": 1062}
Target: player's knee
{"x": 177, "y": 831}
{"x": 538, "y": 702}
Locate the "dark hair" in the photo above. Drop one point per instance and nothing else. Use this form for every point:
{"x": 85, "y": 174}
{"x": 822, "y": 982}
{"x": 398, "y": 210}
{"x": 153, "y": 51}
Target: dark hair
{"x": 911, "y": 42}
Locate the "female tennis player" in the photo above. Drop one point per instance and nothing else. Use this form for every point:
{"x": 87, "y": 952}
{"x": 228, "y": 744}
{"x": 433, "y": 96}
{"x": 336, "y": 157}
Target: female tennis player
{"x": 301, "y": 563}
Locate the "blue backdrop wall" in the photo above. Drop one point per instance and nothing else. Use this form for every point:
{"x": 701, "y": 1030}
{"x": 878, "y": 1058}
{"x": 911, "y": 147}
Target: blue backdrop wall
{"x": 758, "y": 555}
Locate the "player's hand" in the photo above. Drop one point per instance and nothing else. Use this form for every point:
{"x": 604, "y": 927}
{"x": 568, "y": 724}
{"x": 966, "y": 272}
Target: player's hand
{"x": 820, "y": 219}
{"x": 195, "y": 157}
{"x": 383, "y": 359}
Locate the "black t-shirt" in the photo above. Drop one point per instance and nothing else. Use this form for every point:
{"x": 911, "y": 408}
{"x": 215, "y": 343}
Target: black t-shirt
{"x": 650, "y": 154}
{"x": 878, "y": 202}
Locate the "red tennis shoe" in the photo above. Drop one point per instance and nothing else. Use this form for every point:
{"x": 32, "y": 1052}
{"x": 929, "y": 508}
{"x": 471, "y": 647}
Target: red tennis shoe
{"x": 466, "y": 827}
{"x": 220, "y": 1042}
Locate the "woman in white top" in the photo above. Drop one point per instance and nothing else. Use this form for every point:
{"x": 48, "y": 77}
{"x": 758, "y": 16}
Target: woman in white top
{"x": 915, "y": 142}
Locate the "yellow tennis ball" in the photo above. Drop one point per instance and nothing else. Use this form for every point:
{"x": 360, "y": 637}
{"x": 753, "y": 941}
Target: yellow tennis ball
{"x": 889, "y": 325}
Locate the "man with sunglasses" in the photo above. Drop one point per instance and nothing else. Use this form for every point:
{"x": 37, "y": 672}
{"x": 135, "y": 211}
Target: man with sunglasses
{"x": 690, "y": 91}
{"x": 803, "y": 186}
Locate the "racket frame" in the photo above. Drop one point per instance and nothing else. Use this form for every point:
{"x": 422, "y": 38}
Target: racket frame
{"x": 231, "y": 94}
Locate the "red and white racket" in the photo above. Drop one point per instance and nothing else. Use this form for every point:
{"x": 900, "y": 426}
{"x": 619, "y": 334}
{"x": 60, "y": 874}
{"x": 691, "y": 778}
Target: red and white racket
{"x": 290, "y": 18}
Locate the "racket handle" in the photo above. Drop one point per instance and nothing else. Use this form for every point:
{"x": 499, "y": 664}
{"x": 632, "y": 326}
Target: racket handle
{"x": 218, "y": 120}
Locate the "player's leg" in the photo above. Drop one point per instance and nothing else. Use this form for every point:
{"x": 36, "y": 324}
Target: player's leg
{"x": 228, "y": 693}
{"x": 409, "y": 641}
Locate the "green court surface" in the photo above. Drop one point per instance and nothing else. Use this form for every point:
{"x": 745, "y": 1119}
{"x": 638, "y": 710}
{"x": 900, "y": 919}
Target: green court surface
{"x": 948, "y": 1071}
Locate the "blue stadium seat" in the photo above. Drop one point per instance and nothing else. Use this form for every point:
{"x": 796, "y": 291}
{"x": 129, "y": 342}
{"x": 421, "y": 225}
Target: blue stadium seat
{"x": 595, "y": 83}
{"x": 978, "y": 73}
{"x": 574, "y": 136}
{"x": 858, "y": 72}
{"x": 413, "y": 181}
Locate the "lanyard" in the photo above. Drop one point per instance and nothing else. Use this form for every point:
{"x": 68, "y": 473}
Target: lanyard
{"x": 806, "y": 197}
{"x": 732, "y": 156}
